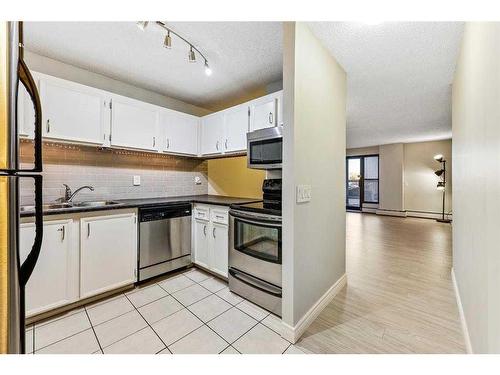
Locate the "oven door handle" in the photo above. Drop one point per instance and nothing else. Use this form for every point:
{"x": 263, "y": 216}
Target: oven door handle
{"x": 256, "y": 220}
{"x": 256, "y": 283}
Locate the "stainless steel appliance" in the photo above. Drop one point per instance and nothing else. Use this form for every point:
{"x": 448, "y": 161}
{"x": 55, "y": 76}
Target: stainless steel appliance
{"x": 255, "y": 249}
{"x": 265, "y": 148}
{"x": 13, "y": 275}
{"x": 164, "y": 239}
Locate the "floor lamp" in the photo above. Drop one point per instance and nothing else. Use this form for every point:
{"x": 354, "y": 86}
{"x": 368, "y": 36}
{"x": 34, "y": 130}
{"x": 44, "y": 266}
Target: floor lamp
{"x": 441, "y": 185}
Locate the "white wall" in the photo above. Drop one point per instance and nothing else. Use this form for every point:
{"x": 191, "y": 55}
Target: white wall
{"x": 62, "y": 70}
{"x": 391, "y": 177}
{"x": 420, "y": 193}
{"x": 314, "y": 154}
{"x": 476, "y": 183}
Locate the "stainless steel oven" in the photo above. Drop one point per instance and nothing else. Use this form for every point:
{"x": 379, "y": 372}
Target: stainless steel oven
{"x": 255, "y": 258}
{"x": 265, "y": 148}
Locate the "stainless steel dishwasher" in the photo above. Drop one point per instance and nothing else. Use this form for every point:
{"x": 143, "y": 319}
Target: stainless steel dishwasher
{"x": 164, "y": 239}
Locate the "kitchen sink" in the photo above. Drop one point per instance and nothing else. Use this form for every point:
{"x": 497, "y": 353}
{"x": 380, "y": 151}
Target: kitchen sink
{"x": 48, "y": 206}
{"x": 95, "y": 203}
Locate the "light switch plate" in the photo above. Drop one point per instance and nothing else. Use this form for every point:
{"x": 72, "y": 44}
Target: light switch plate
{"x": 137, "y": 180}
{"x": 303, "y": 193}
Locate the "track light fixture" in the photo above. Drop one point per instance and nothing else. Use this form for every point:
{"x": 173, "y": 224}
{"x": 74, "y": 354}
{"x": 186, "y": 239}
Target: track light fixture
{"x": 191, "y": 55}
{"x": 167, "y": 43}
{"x": 168, "y": 40}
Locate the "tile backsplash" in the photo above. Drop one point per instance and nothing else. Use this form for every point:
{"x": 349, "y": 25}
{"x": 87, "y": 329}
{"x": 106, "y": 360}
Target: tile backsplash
{"x": 111, "y": 173}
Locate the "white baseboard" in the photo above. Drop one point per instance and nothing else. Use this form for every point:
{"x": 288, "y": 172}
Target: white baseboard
{"x": 391, "y": 212}
{"x": 465, "y": 330}
{"x": 293, "y": 334}
{"x": 428, "y": 215}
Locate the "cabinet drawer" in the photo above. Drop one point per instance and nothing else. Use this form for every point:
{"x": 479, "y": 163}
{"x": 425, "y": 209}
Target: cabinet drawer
{"x": 201, "y": 213}
{"x": 219, "y": 216}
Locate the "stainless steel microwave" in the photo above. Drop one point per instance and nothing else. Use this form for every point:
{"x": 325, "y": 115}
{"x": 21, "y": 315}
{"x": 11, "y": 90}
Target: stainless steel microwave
{"x": 265, "y": 148}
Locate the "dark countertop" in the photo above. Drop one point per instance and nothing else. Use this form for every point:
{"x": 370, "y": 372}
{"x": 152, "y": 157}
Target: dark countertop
{"x": 147, "y": 202}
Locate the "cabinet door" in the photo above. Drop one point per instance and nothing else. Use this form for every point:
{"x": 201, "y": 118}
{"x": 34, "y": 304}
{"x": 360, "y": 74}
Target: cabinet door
{"x": 236, "y": 128}
{"x": 201, "y": 254}
{"x": 180, "y": 132}
{"x": 25, "y": 113}
{"x": 108, "y": 253}
{"x": 71, "y": 112}
{"x": 134, "y": 124}
{"x": 50, "y": 284}
{"x": 220, "y": 250}
{"x": 212, "y": 132}
{"x": 263, "y": 112}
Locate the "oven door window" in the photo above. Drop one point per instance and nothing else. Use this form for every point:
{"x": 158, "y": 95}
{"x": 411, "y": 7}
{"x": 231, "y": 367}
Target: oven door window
{"x": 267, "y": 151}
{"x": 258, "y": 240}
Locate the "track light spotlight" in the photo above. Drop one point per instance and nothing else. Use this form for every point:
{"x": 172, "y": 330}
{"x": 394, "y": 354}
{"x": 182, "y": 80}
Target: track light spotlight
{"x": 439, "y": 173}
{"x": 440, "y": 185}
{"x": 142, "y": 25}
{"x": 191, "y": 55}
{"x": 208, "y": 71}
{"x": 168, "y": 40}
{"x": 439, "y": 158}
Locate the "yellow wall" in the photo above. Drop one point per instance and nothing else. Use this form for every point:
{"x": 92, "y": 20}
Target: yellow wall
{"x": 231, "y": 176}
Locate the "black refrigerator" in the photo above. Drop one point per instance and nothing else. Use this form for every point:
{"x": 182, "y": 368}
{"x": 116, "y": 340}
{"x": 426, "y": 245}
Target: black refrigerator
{"x": 13, "y": 274}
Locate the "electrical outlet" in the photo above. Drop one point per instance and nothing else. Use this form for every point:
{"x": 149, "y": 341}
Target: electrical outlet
{"x": 303, "y": 193}
{"x": 137, "y": 180}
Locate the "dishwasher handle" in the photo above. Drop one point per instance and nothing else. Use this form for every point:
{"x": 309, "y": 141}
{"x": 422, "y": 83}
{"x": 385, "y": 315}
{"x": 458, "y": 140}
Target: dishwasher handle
{"x": 164, "y": 212}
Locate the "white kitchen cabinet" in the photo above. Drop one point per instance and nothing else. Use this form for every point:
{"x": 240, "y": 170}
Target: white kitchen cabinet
{"x": 55, "y": 277}
{"x": 25, "y": 113}
{"x": 134, "y": 124}
{"x": 219, "y": 247}
{"x": 201, "y": 253}
{"x": 72, "y": 112}
{"x": 212, "y": 133}
{"x": 236, "y": 125}
{"x": 179, "y": 132}
{"x": 211, "y": 236}
{"x": 108, "y": 253}
{"x": 264, "y": 111}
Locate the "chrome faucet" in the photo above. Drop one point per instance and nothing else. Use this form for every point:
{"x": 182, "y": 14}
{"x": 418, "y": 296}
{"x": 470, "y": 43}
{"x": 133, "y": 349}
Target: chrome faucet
{"x": 68, "y": 195}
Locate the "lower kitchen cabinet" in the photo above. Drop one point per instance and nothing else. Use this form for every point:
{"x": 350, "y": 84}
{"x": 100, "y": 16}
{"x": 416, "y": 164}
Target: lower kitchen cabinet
{"x": 54, "y": 281}
{"x": 108, "y": 253}
{"x": 211, "y": 236}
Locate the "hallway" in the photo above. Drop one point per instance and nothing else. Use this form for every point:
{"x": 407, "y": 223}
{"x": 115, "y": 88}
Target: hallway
{"x": 399, "y": 296}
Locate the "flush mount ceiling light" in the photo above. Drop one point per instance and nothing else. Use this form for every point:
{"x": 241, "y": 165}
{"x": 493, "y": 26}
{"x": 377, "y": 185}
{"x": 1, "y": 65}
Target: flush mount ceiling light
{"x": 167, "y": 43}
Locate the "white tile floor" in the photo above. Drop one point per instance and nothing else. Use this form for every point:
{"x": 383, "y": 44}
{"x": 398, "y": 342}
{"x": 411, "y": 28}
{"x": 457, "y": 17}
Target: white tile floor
{"x": 191, "y": 312}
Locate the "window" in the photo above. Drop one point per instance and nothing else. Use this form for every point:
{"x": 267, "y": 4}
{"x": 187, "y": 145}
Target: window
{"x": 370, "y": 179}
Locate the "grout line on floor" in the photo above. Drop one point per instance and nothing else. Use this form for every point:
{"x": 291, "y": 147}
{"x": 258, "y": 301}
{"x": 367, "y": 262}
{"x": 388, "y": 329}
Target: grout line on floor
{"x": 93, "y": 330}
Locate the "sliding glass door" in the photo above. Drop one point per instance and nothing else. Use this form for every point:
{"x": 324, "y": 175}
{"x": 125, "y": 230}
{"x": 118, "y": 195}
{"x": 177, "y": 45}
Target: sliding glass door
{"x": 362, "y": 175}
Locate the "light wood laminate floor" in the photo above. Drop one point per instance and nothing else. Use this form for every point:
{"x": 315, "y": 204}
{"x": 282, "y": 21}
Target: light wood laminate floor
{"x": 399, "y": 296}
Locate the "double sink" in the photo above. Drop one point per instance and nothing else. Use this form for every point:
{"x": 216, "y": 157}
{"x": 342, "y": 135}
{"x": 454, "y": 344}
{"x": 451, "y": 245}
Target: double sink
{"x": 67, "y": 205}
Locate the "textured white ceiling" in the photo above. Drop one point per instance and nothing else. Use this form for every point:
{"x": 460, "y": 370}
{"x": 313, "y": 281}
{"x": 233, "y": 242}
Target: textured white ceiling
{"x": 399, "y": 74}
{"x": 242, "y": 55}
{"x": 399, "y": 78}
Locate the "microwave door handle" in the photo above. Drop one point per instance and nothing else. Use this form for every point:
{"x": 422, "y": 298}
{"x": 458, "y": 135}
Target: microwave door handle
{"x": 29, "y": 83}
{"x": 29, "y": 264}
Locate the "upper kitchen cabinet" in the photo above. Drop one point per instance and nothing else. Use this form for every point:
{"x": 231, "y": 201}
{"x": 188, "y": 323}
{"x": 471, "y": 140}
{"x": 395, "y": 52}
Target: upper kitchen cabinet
{"x": 134, "y": 124}
{"x": 265, "y": 111}
{"x": 25, "y": 112}
{"x": 212, "y": 134}
{"x": 236, "y": 124}
{"x": 72, "y": 112}
{"x": 179, "y": 132}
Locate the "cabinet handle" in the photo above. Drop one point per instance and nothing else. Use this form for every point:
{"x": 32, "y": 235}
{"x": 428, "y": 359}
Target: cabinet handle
{"x": 217, "y": 145}
{"x": 225, "y": 143}
{"x": 205, "y": 230}
{"x": 154, "y": 141}
{"x": 63, "y": 234}
{"x": 168, "y": 143}
{"x": 88, "y": 230}
{"x": 271, "y": 117}
{"x": 48, "y": 126}
{"x": 219, "y": 217}
{"x": 213, "y": 232}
